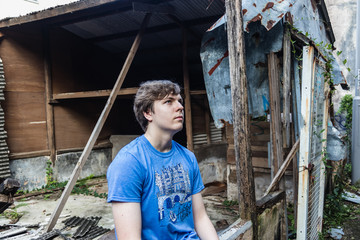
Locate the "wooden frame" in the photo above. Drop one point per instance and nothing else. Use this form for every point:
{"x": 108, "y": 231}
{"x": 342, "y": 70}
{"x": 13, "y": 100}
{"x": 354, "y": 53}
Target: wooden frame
{"x": 305, "y": 134}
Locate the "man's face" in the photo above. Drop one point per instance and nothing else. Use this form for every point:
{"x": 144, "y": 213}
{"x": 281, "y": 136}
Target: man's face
{"x": 168, "y": 114}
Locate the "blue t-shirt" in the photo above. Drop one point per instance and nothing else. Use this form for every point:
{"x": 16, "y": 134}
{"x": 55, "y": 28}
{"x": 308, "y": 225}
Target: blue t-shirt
{"x": 162, "y": 182}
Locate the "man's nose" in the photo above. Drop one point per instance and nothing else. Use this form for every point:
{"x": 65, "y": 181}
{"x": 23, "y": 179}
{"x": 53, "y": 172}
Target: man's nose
{"x": 180, "y": 106}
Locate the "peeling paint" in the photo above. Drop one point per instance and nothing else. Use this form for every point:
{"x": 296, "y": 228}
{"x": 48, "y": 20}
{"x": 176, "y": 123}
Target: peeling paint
{"x": 258, "y": 43}
{"x": 268, "y": 6}
{"x": 207, "y": 42}
{"x": 255, "y": 19}
{"x": 270, "y": 23}
{"x": 226, "y": 54}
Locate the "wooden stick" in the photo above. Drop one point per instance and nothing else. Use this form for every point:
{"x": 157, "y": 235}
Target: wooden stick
{"x": 188, "y": 117}
{"x": 100, "y": 123}
{"x": 286, "y": 90}
{"x": 283, "y": 167}
{"x": 241, "y": 121}
{"x": 275, "y": 118}
{"x": 48, "y": 95}
{"x": 94, "y": 94}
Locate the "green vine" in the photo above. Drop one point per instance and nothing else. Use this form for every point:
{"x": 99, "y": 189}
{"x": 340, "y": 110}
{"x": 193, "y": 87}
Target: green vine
{"x": 49, "y": 173}
{"x": 346, "y": 108}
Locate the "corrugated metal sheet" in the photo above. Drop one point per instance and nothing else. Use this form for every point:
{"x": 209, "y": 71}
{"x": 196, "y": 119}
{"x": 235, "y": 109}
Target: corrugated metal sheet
{"x": 4, "y": 150}
{"x": 258, "y": 43}
{"x": 268, "y": 12}
{"x": 214, "y": 56}
{"x": 130, "y": 20}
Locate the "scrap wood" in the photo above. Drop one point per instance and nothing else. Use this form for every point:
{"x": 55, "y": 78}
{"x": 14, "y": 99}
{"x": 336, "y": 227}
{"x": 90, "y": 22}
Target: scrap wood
{"x": 281, "y": 171}
{"x": 213, "y": 188}
{"x": 12, "y": 232}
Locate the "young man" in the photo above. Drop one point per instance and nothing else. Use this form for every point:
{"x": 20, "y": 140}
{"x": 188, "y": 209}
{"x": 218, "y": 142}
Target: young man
{"x": 154, "y": 182}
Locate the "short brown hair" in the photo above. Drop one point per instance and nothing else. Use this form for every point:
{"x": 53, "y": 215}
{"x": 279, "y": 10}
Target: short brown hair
{"x": 148, "y": 92}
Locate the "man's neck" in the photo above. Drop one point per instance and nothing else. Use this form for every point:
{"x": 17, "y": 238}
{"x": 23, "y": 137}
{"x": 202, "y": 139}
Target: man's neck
{"x": 161, "y": 142}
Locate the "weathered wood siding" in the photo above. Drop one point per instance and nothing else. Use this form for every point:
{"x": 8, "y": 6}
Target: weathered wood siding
{"x": 25, "y": 118}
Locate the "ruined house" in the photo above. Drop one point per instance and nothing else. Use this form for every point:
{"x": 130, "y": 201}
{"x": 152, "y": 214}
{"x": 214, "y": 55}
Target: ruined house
{"x": 60, "y": 65}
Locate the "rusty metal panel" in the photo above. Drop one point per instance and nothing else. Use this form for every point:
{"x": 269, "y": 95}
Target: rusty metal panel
{"x": 268, "y": 12}
{"x": 214, "y": 57}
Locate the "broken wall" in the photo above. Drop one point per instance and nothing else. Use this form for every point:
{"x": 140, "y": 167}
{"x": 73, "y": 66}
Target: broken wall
{"x": 32, "y": 172}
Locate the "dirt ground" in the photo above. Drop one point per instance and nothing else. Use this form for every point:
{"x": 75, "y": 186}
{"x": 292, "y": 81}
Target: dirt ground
{"x": 35, "y": 208}
{"x": 351, "y": 227}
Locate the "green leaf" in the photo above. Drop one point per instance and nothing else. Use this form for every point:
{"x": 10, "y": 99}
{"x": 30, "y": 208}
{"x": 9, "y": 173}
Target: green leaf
{"x": 338, "y": 53}
{"x": 345, "y": 61}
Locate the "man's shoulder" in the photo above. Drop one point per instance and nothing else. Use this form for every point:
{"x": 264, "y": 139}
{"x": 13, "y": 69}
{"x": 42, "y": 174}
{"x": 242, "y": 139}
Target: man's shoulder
{"x": 183, "y": 149}
{"x": 132, "y": 149}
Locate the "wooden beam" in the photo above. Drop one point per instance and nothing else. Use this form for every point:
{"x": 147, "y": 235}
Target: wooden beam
{"x": 14, "y": 156}
{"x": 53, "y": 12}
{"x": 276, "y": 128}
{"x": 286, "y": 86}
{"x": 275, "y": 117}
{"x": 105, "y": 93}
{"x": 100, "y": 123}
{"x": 50, "y": 126}
{"x": 207, "y": 120}
{"x": 197, "y": 92}
{"x": 283, "y": 167}
{"x": 307, "y": 88}
{"x": 244, "y": 171}
{"x": 94, "y": 94}
{"x": 188, "y": 117}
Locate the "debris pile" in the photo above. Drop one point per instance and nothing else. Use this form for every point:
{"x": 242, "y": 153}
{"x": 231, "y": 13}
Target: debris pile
{"x": 82, "y": 228}
{"x": 7, "y": 190}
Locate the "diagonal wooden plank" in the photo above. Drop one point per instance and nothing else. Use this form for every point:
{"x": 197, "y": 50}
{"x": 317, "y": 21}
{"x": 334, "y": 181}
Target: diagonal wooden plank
{"x": 283, "y": 167}
{"x": 100, "y": 123}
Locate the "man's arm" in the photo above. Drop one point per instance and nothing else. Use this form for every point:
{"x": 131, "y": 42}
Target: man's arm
{"x": 127, "y": 218}
{"x": 203, "y": 225}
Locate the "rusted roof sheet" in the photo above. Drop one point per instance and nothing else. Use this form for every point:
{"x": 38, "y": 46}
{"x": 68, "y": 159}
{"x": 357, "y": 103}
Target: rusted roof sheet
{"x": 259, "y": 41}
{"x": 215, "y": 60}
{"x": 268, "y": 12}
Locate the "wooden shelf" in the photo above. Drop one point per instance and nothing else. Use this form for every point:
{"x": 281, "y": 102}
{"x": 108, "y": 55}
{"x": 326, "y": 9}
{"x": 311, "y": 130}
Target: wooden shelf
{"x": 105, "y": 93}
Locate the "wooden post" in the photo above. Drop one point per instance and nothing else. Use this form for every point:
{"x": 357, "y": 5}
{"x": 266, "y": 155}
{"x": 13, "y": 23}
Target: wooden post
{"x": 207, "y": 120}
{"x": 188, "y": 117}
{"x": 275, "y": 118}
{"x": 307, "y": 86}
{"x": 100, "y": 123}
{"x": 276, "y": 127}
{"x": 244, "y": 170}
{"x": 48, "y": 97}
{"x": 286, "y": 88}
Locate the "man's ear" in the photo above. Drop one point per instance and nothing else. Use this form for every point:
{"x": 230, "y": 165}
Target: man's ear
{"x": 148, "y": 115}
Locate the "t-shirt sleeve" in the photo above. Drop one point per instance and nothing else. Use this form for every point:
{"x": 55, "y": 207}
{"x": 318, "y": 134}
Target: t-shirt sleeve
{"x": 125, "y": 177}
{"x": 198, "y": 185}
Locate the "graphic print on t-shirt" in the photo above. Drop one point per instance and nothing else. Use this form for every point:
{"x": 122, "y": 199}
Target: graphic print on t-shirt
{"x": 174, "y": 193}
